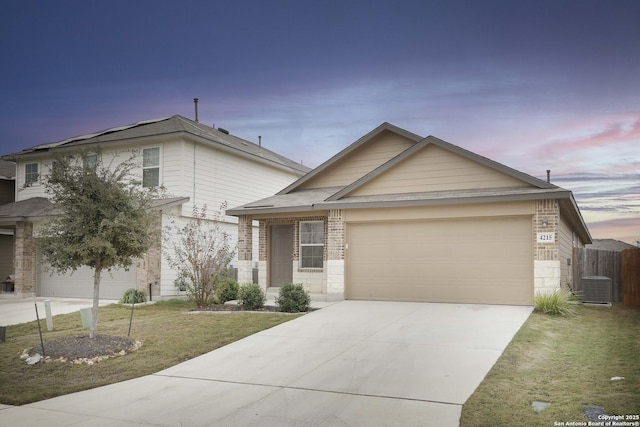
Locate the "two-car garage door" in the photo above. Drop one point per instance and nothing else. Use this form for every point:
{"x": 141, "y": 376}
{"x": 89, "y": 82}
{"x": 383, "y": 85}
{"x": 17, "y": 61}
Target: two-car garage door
{"x": 472, "y": 260}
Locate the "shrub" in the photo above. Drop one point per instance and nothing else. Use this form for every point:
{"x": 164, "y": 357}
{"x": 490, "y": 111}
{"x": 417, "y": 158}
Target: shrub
{"x": 133, "y": 296}
{"x": 227, "y": 291}
{"x": 293, "y": 298}
{"x": 251, "y": 296}
{"x": 555, "y": 303}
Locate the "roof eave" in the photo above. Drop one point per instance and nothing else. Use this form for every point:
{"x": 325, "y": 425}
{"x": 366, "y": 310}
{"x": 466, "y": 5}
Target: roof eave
{"x": 347, "y": 204}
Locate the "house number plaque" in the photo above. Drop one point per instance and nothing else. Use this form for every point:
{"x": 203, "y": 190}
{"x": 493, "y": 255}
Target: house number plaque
{"x": 546, "y": 237}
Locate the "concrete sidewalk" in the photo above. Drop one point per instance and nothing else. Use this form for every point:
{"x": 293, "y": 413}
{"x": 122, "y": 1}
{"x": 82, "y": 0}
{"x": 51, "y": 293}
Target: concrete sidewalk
{"x": 353, "y": 363}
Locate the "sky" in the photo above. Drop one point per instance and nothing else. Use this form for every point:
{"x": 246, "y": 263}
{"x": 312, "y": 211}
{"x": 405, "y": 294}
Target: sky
{"x": 535, "y": 85}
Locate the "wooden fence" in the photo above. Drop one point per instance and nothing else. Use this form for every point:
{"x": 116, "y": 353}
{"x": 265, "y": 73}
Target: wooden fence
{"x": 631, "y": 277}
{"x": 623, "y": 268}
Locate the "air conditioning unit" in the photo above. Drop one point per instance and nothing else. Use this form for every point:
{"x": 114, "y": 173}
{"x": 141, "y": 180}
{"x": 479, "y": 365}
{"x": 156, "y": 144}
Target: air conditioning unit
{"x": 596, "y": 289}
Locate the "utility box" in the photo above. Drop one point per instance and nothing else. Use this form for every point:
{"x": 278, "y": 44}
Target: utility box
{"x": 596, "y": 289}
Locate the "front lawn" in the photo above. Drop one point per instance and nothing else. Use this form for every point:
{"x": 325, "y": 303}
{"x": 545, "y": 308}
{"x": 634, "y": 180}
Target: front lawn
{"x": 169, "y": 333}
{"x": 565, "y": 361}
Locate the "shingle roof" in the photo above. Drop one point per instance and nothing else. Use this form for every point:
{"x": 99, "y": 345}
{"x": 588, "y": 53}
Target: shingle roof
{"x": 7, "y": 170}
{"x": 36, "y": 208}
{"x": 166, "y": 126}
{"x": 29, "y": 208}
{"x": 610, "y": 245}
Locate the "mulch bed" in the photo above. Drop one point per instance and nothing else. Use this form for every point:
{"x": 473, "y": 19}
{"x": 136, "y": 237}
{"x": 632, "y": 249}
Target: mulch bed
{"x": 82, "y": 349}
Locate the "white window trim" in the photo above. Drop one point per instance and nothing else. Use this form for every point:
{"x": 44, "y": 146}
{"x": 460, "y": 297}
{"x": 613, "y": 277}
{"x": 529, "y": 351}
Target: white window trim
{"x": 153, "y": 167}
{"x": 300, "y": 244}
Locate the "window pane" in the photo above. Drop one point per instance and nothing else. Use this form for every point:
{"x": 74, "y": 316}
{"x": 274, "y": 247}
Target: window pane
{"x": 90, "y": 161}
{"x": 151, "y": 177}
{"x": 311, "y": 233}
{"x": 31, "y": 173}
{"x": 311, "y": 257}
{"x": 150, "y": 157}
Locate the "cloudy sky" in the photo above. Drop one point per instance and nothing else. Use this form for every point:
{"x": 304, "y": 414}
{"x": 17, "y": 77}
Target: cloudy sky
{"x": 535, "y": 85}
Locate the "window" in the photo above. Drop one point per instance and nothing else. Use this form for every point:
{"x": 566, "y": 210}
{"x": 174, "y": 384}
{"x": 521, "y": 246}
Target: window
{"x": 151, "y": 167}
{"x": 90, "y": 161}
{"x": 311, "y": 244}
{"x": 30, "y": 173}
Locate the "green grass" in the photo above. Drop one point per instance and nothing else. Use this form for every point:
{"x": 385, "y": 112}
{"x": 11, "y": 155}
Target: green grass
{"x": 567, "y": 361}
{"x": 169, "y": 334}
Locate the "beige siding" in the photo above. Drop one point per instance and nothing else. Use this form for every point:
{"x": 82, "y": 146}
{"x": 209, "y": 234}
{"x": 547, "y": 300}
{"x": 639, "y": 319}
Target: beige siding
{"x": 219, "y": 177}
{"x": 487, "y": 261}
{"x": 377, "y": 151}
{"x": 565, "y": 246}
{"x": 436, "y": 169}
{"x": 441, "y": 212}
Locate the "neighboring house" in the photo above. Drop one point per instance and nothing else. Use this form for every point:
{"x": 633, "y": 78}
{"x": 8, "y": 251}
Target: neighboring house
{"x": 196, "y": 164}
{"x": 610, "y": 245}
{"x": 7, "y": 195}
{"x": 396, "y": 216}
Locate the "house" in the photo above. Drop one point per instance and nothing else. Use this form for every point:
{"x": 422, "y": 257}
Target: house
{"x": 399, "y": 217}
{"x": 196, "y": 164}
{"x": 7, "y": 195}
{"x": 610, "y": 245}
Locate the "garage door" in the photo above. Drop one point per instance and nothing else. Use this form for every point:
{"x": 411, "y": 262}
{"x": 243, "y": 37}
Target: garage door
{"x": 486, "y": 261}
{"x": 80, "y": 284}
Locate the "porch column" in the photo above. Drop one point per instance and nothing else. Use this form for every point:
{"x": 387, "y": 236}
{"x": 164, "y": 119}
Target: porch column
{"x": 24, "y": 260}
{"x": 335, "y": 255}
{"x": 245, "y": 245}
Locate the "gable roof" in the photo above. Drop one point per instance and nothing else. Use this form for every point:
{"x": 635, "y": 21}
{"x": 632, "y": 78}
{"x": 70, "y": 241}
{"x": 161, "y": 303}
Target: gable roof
{"x": 175, "y": 125}
{"x": 296, "y": 198}
{"x": 350, "y": 149}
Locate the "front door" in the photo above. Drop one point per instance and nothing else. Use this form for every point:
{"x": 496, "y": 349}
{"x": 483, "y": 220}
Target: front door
{"x": 281, "y": 255}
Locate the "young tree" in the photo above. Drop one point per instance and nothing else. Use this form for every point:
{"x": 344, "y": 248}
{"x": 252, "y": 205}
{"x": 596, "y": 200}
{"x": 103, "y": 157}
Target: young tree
{"x": 101, "y": 220}
{"x": 200, "y": 252}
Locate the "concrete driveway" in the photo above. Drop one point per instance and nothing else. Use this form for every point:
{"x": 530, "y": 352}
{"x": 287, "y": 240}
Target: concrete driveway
{"x": 354, "y": 363}
{"x": 14, "y": 310}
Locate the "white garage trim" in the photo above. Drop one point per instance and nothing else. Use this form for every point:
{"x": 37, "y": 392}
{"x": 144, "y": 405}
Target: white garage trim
{"x": 472, "y": 260}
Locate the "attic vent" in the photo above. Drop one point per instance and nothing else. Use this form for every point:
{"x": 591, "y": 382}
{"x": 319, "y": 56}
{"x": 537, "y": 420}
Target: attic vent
{"x": 226, "y": 132}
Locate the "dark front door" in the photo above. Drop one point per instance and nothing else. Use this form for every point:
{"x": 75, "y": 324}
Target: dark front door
{"x": 281, "y": 255}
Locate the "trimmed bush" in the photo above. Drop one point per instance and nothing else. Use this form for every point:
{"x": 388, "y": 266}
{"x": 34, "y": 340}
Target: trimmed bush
{"x": 251, "y": 296}
{"x": 227, "y": 291}
{"x": 133, "y": 296}
{"x": 555, "y": 303}
{"x": 293, "y": 298}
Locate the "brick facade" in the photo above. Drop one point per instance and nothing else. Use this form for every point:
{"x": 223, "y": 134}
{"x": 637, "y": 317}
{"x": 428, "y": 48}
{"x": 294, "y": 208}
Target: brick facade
{"x": 25, "y": 259}
{"x": 149, "y": 266}
{"x": 245, "y": 238}
{"x": 547, "y": 210}
{"x": 336, "y": 236}
{"x": 546, "y": 265}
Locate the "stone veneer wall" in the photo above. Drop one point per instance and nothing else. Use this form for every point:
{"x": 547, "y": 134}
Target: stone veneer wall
{"x": 24, "y": 259}
{"x": 546, "y": 268}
